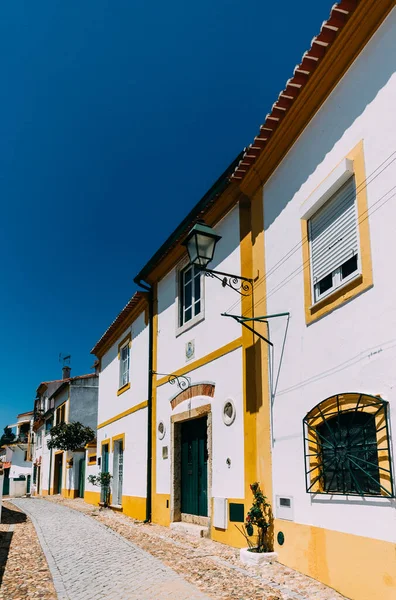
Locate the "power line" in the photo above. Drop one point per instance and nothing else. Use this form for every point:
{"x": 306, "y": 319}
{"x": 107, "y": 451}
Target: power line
{"x": 369, "y": 179}
{"x": 299, "y": 269}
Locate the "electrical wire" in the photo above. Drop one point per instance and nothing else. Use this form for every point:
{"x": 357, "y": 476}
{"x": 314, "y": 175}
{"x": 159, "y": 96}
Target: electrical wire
{"x": 369, "y": 179}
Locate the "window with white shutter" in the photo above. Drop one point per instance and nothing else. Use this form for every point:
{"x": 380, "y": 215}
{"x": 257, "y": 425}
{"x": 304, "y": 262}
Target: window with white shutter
{"x": 334, "y": 242}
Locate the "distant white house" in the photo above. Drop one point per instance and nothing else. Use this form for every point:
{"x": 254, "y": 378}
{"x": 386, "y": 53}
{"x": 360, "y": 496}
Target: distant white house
{"x": 16, "y": 457}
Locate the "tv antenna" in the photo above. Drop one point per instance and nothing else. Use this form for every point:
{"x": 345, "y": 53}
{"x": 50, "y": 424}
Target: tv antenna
{"x": 65, "y": 358}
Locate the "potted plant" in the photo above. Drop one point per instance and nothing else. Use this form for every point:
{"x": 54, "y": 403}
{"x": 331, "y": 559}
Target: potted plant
{"x": 102, "y": 480}
{"x": 256, "y": 530}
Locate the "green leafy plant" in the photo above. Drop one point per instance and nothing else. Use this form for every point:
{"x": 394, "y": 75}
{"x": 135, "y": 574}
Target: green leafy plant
{"x": 259, "y": 519}
{"x": 70, "y": 436}
{"x": 103, "y": 480}
{"x": 7, "y": 437}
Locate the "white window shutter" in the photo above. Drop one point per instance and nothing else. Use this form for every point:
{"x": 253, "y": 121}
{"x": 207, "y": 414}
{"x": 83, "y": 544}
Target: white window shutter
{"x": 333, "y": 232}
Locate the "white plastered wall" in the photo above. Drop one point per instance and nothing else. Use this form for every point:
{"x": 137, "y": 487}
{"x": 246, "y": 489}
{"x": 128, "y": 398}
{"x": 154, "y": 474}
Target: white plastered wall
{"x": 134, "y": 425}
{"x": 227, "y": 441}
{"x": 352, "y": 349}
{"x": 214, "y": 331}
{"x": 110, "y": 404}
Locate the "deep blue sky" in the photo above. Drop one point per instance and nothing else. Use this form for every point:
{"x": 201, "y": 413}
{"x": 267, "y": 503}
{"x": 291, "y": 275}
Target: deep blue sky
{"x": 116, "y": 117}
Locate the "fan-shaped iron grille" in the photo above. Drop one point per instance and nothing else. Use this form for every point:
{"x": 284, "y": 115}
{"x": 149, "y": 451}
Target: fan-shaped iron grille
{"x": 346, "y": 443}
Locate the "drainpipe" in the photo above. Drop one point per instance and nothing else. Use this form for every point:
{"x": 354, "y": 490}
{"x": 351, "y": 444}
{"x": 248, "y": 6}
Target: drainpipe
{"x": 149, "y": 399}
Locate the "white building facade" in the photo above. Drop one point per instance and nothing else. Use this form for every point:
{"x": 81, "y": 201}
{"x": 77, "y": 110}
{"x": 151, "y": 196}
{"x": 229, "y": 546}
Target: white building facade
{"x": 121, "y": 448}
{"x": 329, "y": 209}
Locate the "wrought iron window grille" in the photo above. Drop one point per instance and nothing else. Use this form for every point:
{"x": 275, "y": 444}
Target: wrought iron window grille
{"x": 346, "y": 447}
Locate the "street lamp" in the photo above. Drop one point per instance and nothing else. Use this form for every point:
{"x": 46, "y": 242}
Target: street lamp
{"x": 201, "y": 243}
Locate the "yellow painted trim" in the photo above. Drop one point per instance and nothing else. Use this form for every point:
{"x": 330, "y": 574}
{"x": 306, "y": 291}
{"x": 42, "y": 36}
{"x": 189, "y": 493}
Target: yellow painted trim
{"x": 204, "y": 360}
{"x": 92, "y": 498}
{"x": 359, "y": 284}
{"x": 123, "y": 414}
{"x": 58, "y": 452}
{"x": 134, "y": 506}
{"x": 92, "y": 460}
{"x": 106, "y": 441}
{"x": 159, "y": 512}
{"x": 127, "y": 338}
{"x": 230, "y": 536}
{"x": 44, "y": 493}
{"x": 69, "y": 493}
{"x": 115, "y": 438}
{"x": 261, "y": 372}
{"x": 123, "y": 389}
{"x": 248, "y": 355}
{"x": 358, "y": 567}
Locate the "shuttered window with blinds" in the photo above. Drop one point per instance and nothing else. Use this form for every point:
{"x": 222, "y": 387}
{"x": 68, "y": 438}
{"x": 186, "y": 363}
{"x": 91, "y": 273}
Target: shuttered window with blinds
{"x": 334, "y": 242}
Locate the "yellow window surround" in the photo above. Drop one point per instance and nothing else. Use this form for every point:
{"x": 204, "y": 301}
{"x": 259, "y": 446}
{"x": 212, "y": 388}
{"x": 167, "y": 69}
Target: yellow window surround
{"x": 361, "y": 282}
{"x": 117, "y": 438}
{"x": 126, "y": 340}
{"x": 92, "y": 459}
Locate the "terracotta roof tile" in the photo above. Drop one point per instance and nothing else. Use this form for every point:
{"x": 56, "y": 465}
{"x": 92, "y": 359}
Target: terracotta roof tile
{"x": 111, "y": 330}
{"x": 339, "y": 15}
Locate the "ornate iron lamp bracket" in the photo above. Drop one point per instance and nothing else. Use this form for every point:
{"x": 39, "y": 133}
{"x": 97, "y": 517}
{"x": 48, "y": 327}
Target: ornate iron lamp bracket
{"x": 242, "y": 285}
{"x": 182, "y": 381}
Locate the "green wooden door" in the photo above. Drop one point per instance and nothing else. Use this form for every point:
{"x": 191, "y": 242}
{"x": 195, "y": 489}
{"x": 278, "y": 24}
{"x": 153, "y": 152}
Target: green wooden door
{"x": 6, "y": 482}
{"x": 194, "y": 468}
{"x": 81, "y": 478}
{"x": 104, "y": 469}
{"x": 58, "y": 473}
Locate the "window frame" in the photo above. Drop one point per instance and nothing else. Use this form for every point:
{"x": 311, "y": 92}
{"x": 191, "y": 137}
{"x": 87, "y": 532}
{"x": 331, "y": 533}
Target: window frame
{"x": 186, "y": 325}
{"x": 358, "y": 281}
{"x": 126, "y": 342}
{"x": 330, "y": 408}
{"x": 337, "y": 281}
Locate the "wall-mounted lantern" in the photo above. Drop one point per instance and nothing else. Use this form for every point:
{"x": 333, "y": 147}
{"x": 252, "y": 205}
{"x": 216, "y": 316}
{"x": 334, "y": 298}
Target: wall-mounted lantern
{"x": 201, "y": 244}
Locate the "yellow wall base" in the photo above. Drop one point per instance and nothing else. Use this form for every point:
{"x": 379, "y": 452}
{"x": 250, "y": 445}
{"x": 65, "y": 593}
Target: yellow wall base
{"x": 230, "y": 536}
{"x": 44, "y": 493}
{"x": 51, "y": 491}
{"x": 134, "y": 506}
{"x": 360, "y": 568}
{"x": 159, "y": 512}
{"x": 92, "y": 498}
{"x": 69, "y": 493}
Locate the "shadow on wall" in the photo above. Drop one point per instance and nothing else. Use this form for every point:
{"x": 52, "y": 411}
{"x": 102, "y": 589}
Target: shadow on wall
{"x": 351, "y": 97}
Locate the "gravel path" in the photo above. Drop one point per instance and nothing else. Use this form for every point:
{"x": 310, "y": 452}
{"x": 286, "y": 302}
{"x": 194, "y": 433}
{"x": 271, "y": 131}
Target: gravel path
{"x": 89, "y": 561}
{"x": 24, "y": 573}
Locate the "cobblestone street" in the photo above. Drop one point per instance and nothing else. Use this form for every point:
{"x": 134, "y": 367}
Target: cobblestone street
{"x": 213, "y": 568}
{"x": 89, "y": 561}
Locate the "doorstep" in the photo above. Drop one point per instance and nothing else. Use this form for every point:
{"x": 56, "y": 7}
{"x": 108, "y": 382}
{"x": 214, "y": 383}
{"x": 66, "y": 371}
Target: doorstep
{"x": 190, "y": 529}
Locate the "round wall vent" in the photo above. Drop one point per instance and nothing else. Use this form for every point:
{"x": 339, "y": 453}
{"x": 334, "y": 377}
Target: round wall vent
{"x": 161, "y": 430}
{"x": 229, "y": 412}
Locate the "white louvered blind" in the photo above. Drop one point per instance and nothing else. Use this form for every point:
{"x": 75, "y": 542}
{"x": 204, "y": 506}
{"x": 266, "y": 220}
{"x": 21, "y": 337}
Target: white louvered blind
{"x": 333, "y": 232}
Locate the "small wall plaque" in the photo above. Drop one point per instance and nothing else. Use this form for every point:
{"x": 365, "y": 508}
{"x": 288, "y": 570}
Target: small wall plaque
{"x": 164, "y": 451}
{"x": 190, "y": 350}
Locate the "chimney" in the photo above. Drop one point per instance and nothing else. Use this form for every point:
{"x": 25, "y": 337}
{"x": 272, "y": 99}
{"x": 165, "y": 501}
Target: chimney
{"x": 66, "y": 372}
